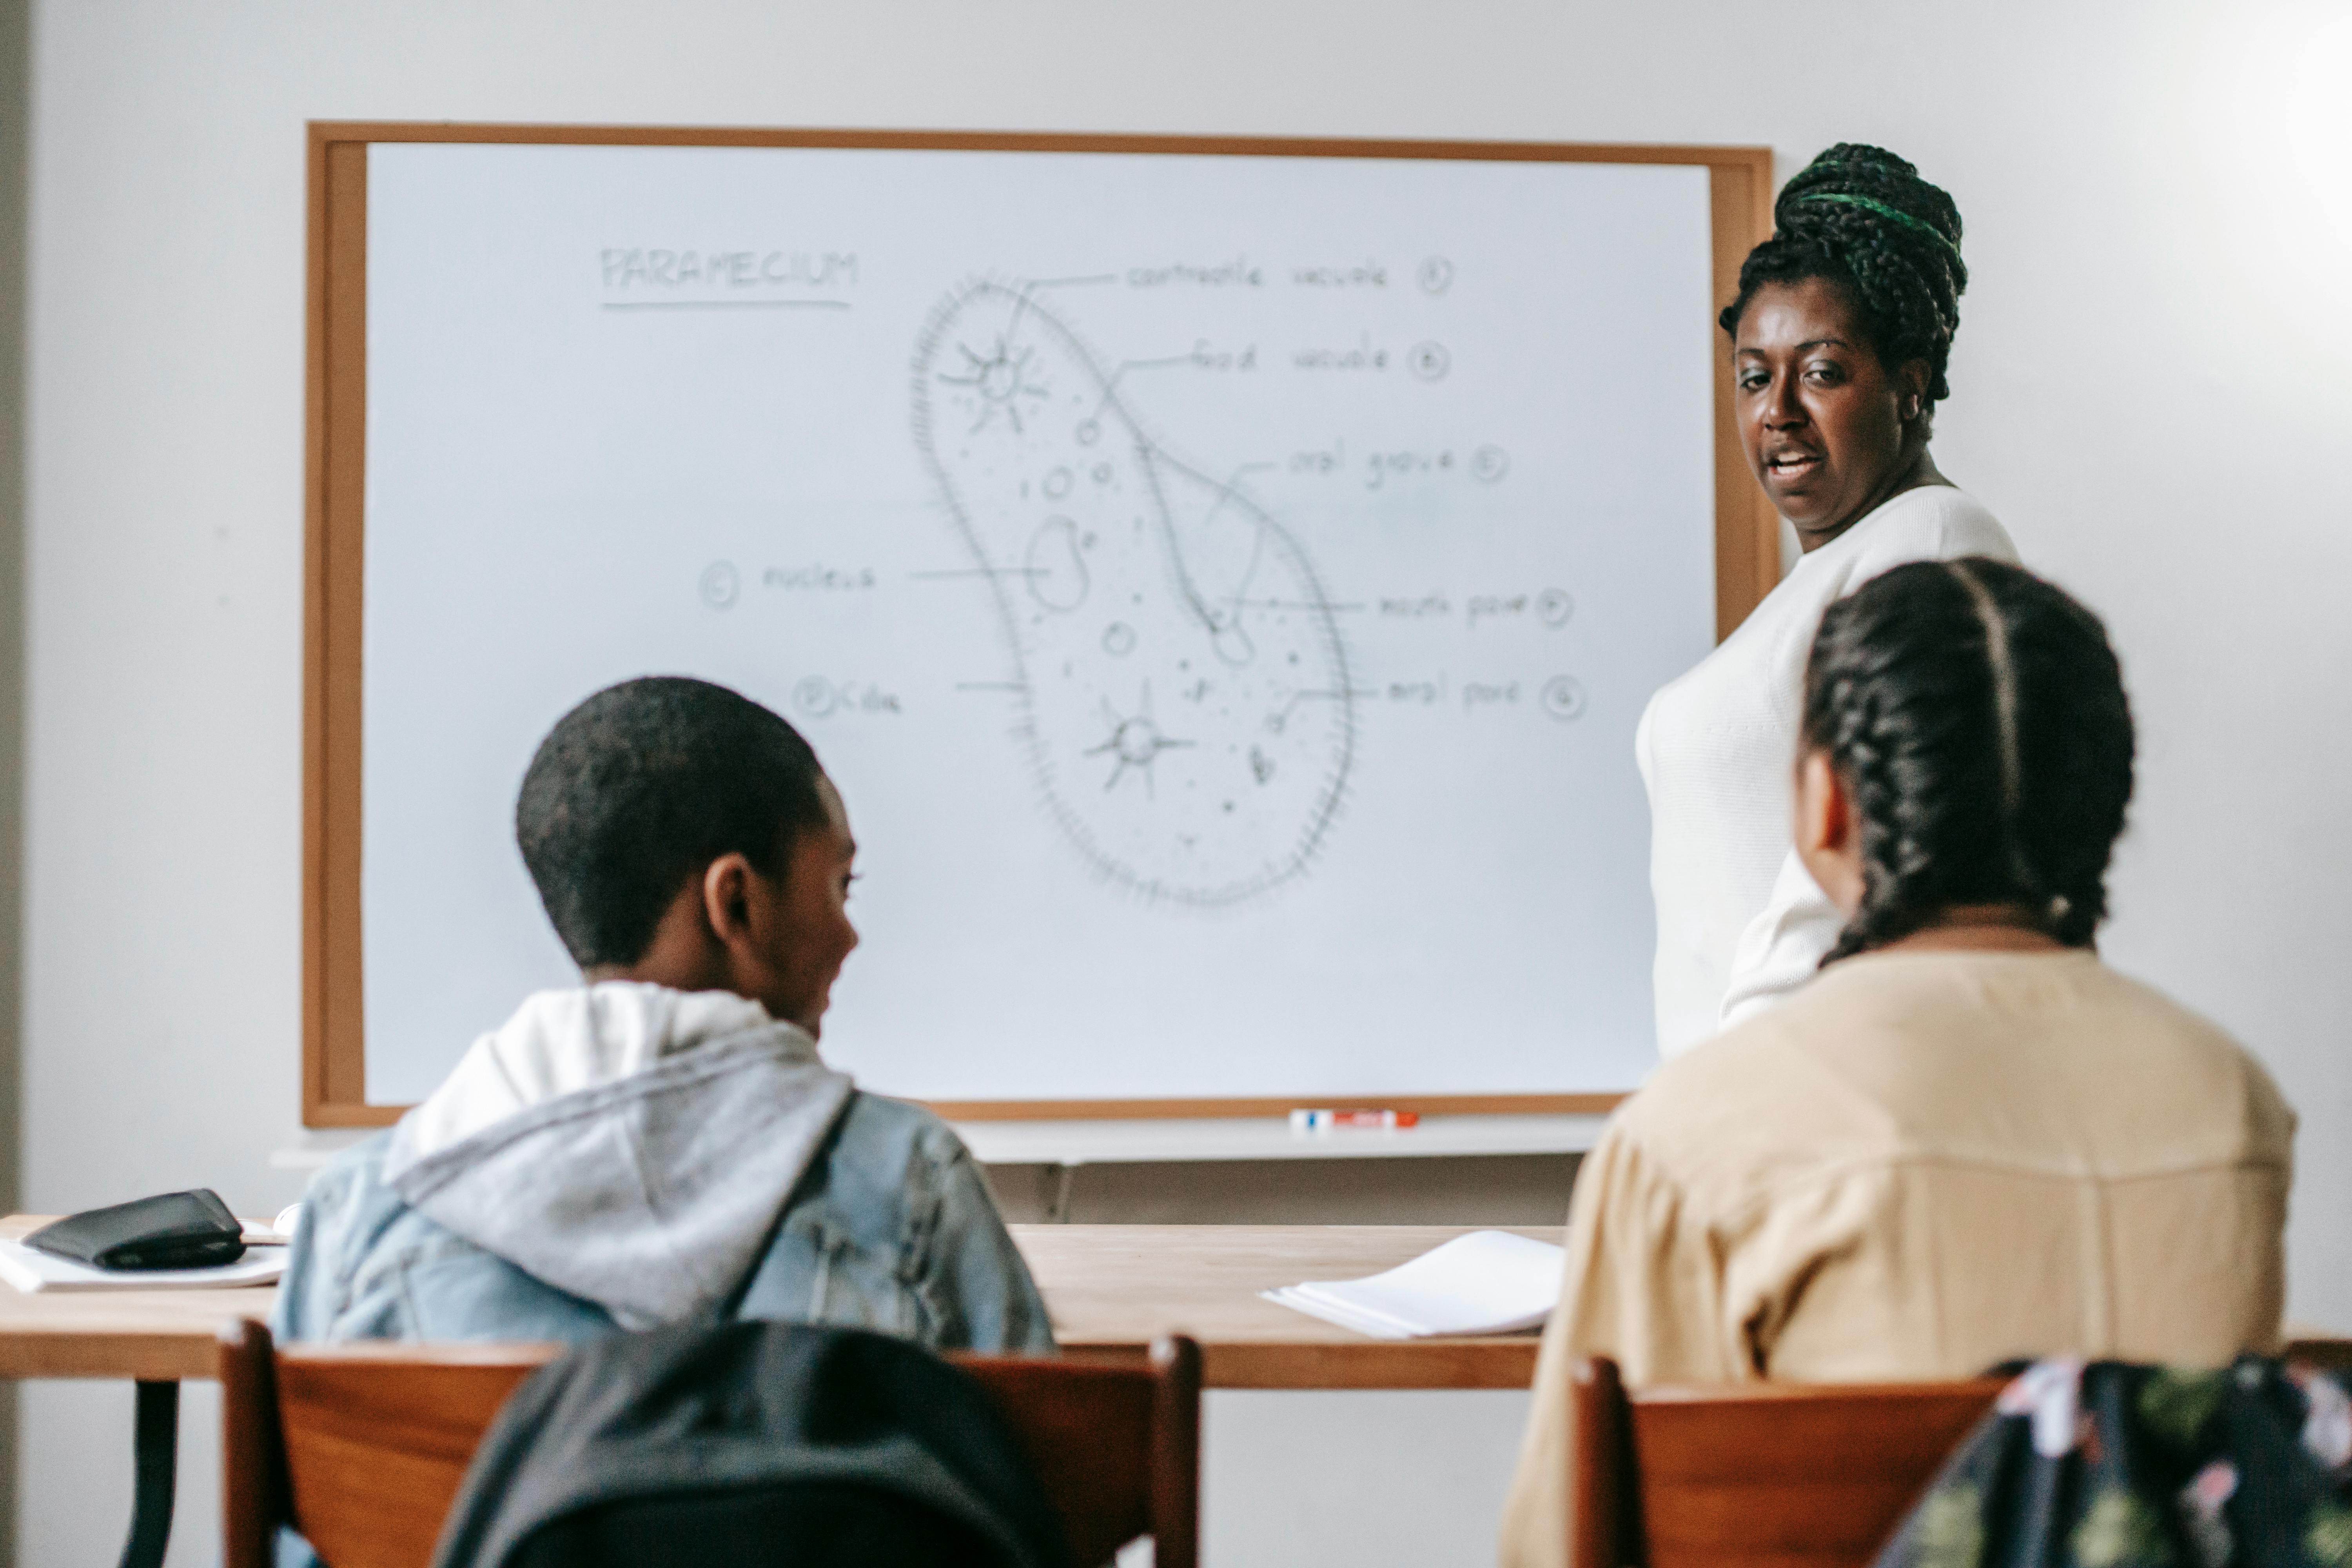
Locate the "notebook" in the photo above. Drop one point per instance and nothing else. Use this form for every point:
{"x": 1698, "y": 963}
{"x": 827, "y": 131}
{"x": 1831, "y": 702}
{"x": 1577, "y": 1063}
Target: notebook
{"x": 31, "y": 1270}
{"x": 1487, "y": 1282}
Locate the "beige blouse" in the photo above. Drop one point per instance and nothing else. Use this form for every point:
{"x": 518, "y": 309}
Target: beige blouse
{"x": 1919, "y": 1165}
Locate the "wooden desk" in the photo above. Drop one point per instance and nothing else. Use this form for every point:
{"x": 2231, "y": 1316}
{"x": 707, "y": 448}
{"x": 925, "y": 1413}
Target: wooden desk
{"x": 140, "y": 1335}
{"x": 1112, "y": 1291}
{"x": 153, "y": 1339}
{"x": 1112, "y": 1288}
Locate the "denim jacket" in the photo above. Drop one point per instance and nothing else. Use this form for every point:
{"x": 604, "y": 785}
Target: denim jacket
{"x": 890, "y": 1228}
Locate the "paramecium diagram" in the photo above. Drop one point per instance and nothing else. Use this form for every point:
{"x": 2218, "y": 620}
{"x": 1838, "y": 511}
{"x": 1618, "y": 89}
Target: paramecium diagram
{"x": 1182, "y": 686}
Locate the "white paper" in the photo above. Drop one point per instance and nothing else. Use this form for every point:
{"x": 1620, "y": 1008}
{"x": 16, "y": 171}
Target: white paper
{"x": 1332, "y": 1312}
{"x": 31, "y": 1270}
{"x": 1487, "y": 1282}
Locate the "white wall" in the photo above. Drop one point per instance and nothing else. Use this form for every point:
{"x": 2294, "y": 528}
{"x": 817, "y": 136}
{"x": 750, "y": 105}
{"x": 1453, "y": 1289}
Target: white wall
{"x": 15, "y": 126}
{"x": 2149, "y": 391}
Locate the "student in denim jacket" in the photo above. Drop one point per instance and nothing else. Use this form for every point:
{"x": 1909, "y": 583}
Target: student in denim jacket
{"x": 664, "y": 1144}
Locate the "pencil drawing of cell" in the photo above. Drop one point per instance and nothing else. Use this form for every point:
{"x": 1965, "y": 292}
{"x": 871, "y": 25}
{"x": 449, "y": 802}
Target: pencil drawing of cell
{"x": 1160, "y": 618}
{"x": 1134, "y": 742}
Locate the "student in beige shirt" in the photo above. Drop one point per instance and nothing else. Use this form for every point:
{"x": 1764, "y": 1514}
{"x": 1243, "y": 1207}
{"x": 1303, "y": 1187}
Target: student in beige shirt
{"x": 1968, "y": 1140}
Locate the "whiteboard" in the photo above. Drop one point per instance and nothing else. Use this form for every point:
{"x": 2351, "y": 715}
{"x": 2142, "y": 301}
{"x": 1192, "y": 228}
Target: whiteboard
{"x": 1222, "y": 587}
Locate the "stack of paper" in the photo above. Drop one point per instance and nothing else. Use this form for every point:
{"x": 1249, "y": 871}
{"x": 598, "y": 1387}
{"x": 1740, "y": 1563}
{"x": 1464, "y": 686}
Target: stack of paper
{"x": 28, "y": 1269}
{"x": 1487, "y": 1282}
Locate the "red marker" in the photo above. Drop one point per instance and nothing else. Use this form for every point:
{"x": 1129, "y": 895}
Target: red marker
{"x": 1328, "y": 1120}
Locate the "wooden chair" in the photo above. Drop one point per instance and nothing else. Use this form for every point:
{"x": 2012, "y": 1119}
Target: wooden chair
{"x": 1755, "y": 1476}
{"x": 362, "y": 1446}
{"x": 2315, "y": 1347}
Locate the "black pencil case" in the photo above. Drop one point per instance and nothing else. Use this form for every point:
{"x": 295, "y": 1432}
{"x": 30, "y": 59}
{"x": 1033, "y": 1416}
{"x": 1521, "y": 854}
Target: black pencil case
{"x": 176, "y": 1230}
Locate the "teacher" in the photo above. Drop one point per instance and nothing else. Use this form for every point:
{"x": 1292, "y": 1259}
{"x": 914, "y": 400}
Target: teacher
{"x": 1839, "y": 339}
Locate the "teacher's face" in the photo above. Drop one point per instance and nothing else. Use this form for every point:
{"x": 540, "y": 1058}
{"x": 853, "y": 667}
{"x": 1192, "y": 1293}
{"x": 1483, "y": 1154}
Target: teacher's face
{"x": 1829, "y": 431}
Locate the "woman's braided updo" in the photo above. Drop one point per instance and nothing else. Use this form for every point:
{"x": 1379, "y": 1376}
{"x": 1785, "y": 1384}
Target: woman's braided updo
{"x": 1976, "y": 717}
{"x": 1863, "y": 218}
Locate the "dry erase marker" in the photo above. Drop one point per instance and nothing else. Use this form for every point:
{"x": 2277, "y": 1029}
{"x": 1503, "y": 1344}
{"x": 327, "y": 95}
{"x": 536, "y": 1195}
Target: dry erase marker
{"x": 1326, "y": 1120}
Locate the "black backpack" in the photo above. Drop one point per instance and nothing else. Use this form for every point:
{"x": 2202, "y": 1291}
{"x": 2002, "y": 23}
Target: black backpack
{"x": 755, "y": 1445}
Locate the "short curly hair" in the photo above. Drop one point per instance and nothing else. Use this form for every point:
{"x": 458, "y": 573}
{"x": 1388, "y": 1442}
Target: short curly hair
{"x": 1863, "y": 218}
{"x": 643, "y": 785}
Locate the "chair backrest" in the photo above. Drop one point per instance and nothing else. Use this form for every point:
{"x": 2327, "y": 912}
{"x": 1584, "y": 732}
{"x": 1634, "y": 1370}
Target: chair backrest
{"x": 362, "y": 1447}
{"x": 2328, "y": 1353}
{"x": 1755, "y": 1475}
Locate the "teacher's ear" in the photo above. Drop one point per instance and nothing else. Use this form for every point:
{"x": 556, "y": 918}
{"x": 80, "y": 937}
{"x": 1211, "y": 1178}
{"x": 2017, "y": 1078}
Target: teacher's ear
{"x": 1828, "y": 831}
{"x": 1911, "y": 380}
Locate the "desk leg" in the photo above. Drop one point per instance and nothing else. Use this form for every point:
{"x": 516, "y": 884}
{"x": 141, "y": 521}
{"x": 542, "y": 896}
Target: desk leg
{"x": 155, "y": 1450}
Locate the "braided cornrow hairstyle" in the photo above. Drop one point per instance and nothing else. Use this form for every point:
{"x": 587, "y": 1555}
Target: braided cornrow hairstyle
{"x": 1976, "y": 715}
{"x": 1864, "y": 218}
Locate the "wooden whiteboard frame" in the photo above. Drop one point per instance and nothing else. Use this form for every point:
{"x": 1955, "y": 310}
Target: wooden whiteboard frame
{"x": 334, "y": 1060}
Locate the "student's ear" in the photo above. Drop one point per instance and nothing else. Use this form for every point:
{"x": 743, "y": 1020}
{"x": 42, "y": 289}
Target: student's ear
{"x": 728, "y": 888}
{"x": 1828, "y": 835}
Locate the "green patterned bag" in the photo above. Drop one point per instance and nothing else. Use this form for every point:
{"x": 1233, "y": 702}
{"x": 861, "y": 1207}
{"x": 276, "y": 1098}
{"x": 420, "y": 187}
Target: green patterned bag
{"x": 2115, "y": 1466}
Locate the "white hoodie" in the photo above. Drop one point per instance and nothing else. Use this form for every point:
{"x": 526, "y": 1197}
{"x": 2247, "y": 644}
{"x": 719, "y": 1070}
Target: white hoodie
{"x": 627, "y": 1143}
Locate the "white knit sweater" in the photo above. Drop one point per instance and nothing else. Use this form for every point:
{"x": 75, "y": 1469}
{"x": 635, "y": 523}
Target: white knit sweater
{"x": 1739, "y": 921}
